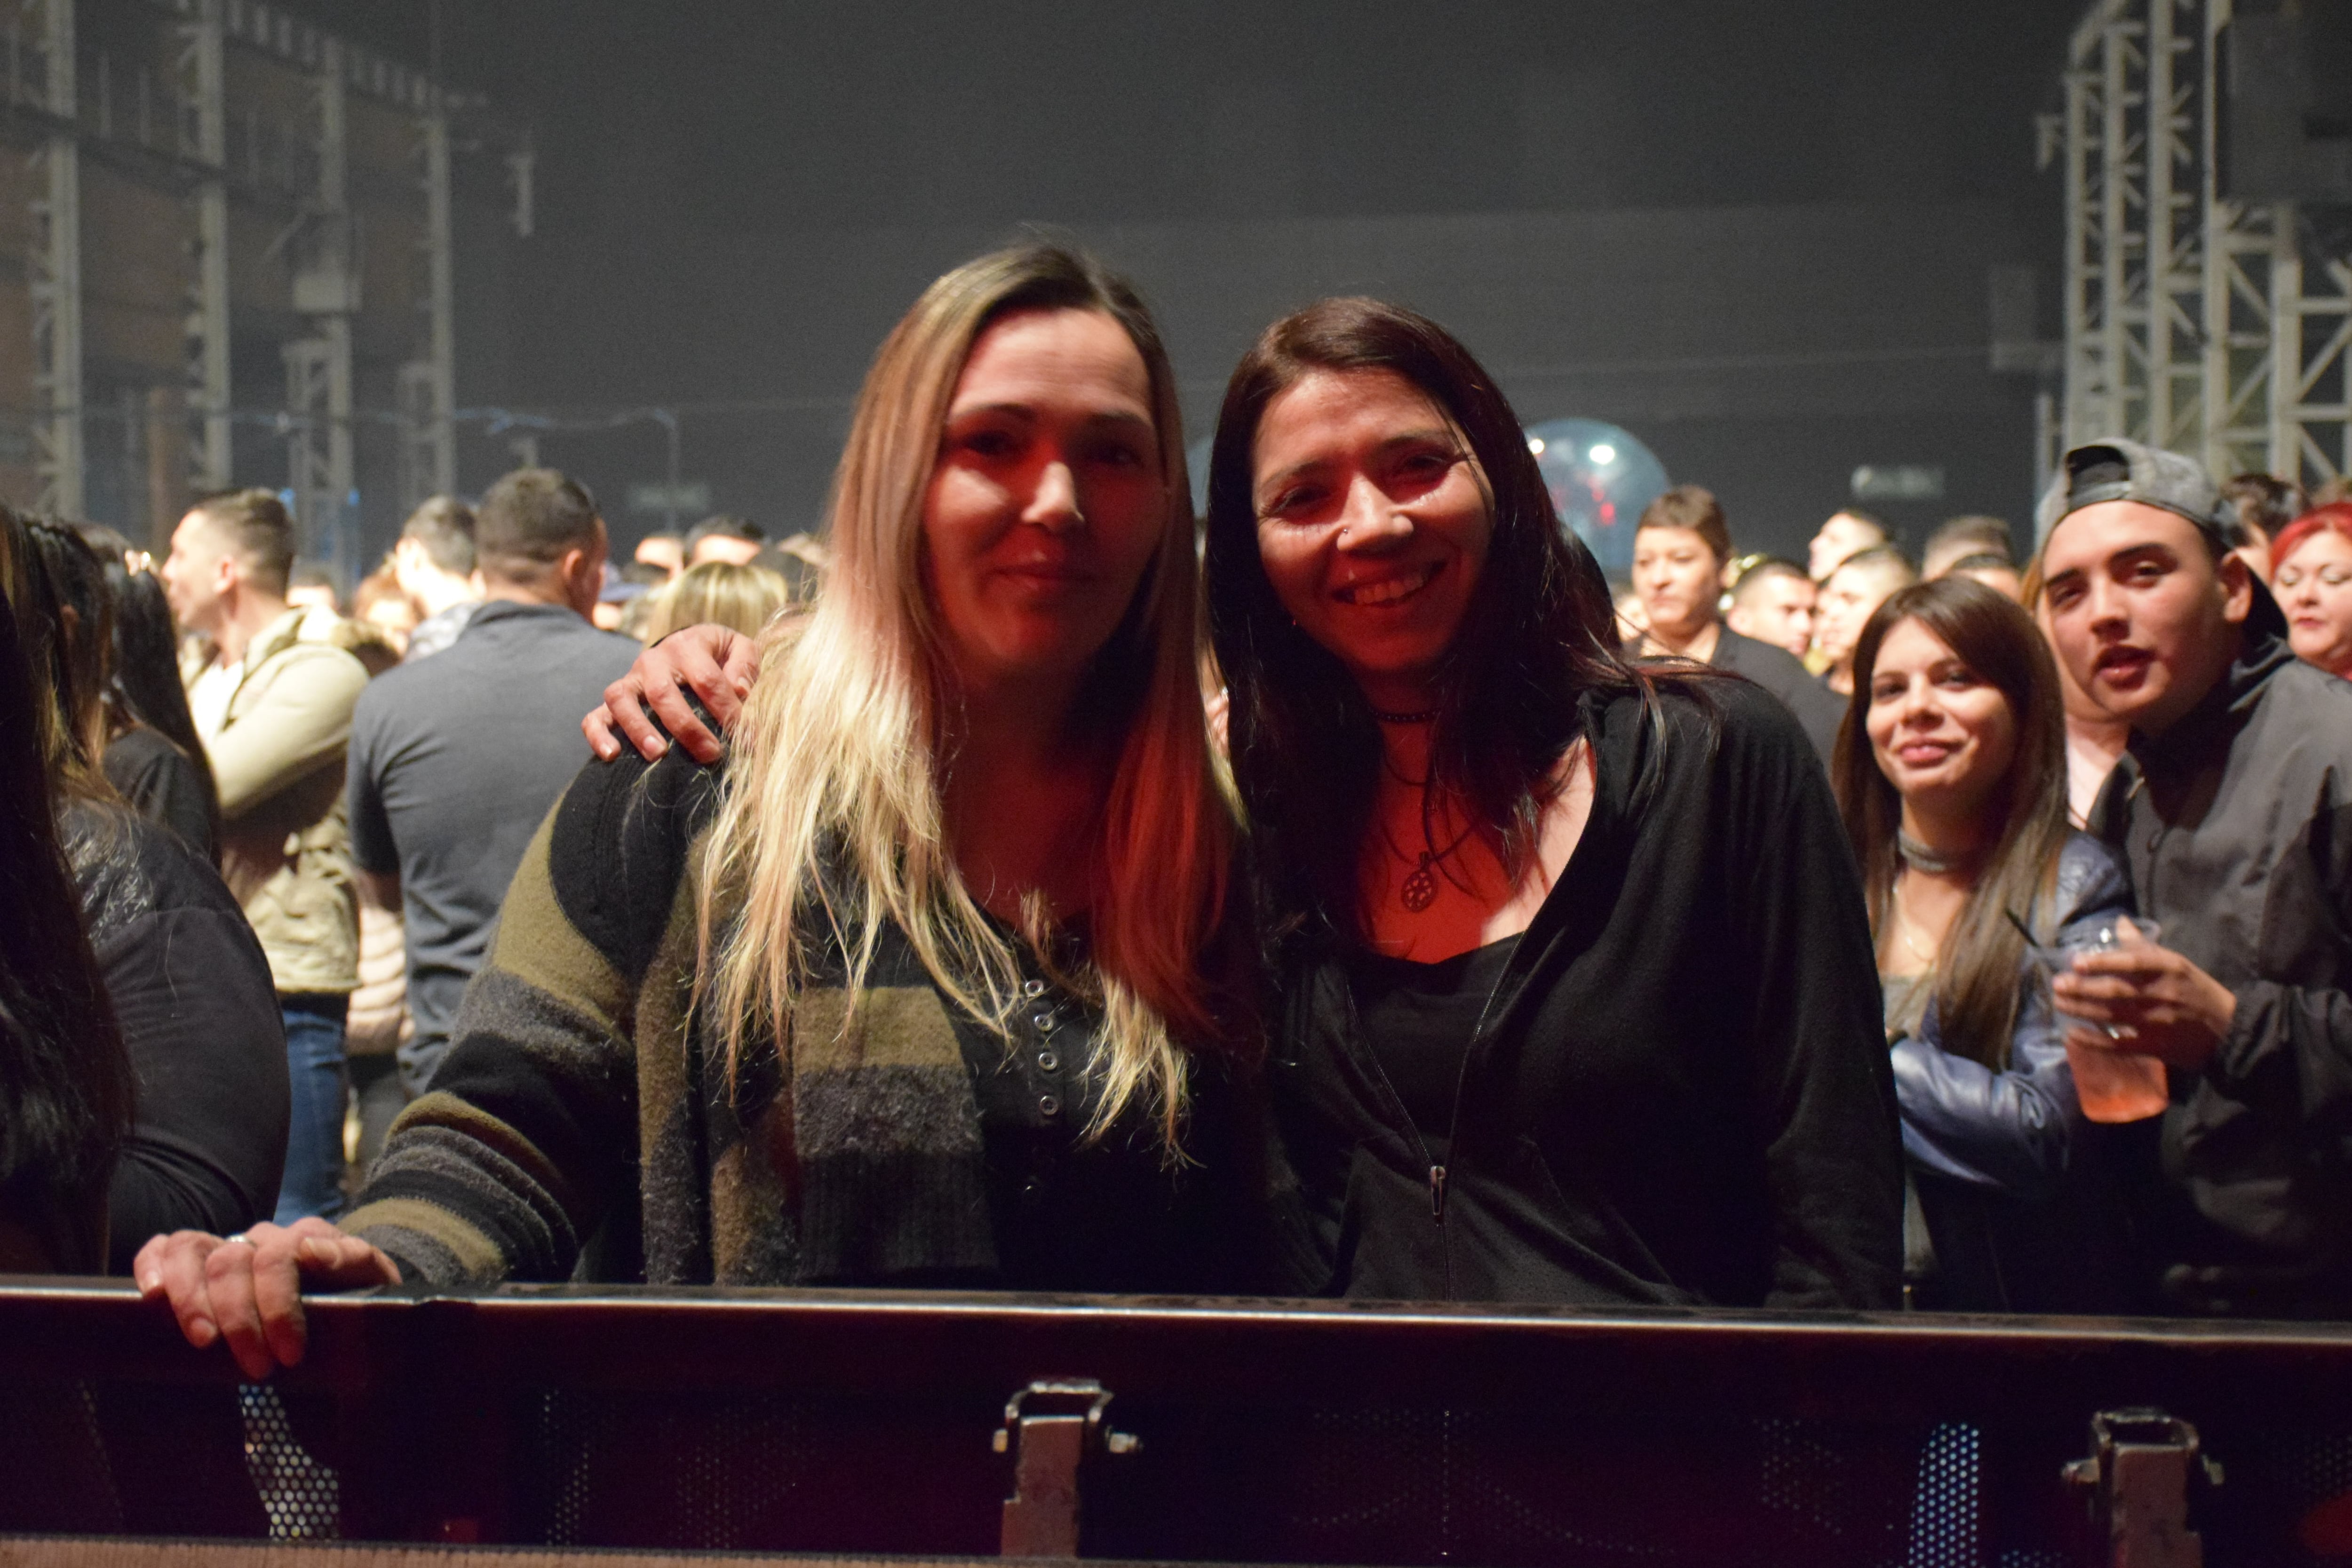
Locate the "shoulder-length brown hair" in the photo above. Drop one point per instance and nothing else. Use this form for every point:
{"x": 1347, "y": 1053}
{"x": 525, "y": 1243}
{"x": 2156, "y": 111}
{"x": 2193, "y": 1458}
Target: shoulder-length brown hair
{"x": 1539, "y": 632}
{"x": 1976, "y": 970}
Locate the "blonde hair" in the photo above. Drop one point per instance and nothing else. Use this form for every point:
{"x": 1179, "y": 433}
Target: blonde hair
{"x": 720, "y": 593}
{"x": 838, "y": 754}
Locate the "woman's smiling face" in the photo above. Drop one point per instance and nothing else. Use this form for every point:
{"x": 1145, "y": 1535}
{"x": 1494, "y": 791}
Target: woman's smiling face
{"x": 1373, "y": 524}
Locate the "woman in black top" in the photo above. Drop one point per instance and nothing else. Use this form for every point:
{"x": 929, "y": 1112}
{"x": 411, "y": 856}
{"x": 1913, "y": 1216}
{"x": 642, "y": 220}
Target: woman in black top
{"x": 1577, "y": 997}
{"x": 65, "y": 1079}
{"x": 184, "y": 976}
{"x": 153, "y": 757}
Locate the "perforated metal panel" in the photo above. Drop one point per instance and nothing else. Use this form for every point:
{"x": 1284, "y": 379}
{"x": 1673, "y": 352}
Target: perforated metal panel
{"x": 301, "y": 1496}
{"x": 1944, "y": 1512}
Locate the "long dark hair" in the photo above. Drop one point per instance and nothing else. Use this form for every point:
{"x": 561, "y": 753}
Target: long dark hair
{"x": 142, "y": 679}
{"x": 1538, "y": 635}
{"x": 64, "y": 1078}
{"x": 1976, "y": 972}
{"x": 66, "y": 576}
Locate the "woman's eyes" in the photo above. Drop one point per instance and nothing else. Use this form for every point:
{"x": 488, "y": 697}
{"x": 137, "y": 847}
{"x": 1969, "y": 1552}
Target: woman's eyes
{"x": 996, "y": 444}
{"x": 1116, "y": 454}
{"x": 988, "y": 443}
{"x": 1426, "y": 467}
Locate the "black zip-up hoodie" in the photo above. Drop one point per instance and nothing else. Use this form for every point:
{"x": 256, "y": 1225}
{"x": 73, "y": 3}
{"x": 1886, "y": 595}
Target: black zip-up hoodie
{"x": 2237, "y": 823}
{"x": 1679, "y": 1092}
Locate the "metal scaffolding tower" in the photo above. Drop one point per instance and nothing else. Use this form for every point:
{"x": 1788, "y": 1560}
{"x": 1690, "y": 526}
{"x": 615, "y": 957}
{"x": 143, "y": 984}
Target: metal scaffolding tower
{"x": 54, "y": 261}
{"x": 204, "y": 140}
{"x": 428, "y": 384}
{"x": 320, "y": 469}
{"x": 2192, "y": 320}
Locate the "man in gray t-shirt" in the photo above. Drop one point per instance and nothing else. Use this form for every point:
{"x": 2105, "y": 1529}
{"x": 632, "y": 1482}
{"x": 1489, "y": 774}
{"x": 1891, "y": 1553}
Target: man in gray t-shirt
{"x": 456, "y": 760}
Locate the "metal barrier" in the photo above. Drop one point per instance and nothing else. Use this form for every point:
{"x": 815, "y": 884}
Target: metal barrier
{"x": 964, "y": 1426}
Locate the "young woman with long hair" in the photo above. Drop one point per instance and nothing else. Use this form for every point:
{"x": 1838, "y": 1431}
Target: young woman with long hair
{"x": 185, "y": 979}
{"x": 66, "y": 1088}
{"x": 1573, "y": 989}
{"x": 1951, "y": 776}
{"x": 912, "y": 989}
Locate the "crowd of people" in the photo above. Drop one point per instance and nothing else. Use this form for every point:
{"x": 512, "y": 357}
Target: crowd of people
{"x": 1042, "y": 884}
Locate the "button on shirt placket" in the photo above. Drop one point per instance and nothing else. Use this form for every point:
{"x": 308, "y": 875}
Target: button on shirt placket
{"x": 1045, "y": 1019}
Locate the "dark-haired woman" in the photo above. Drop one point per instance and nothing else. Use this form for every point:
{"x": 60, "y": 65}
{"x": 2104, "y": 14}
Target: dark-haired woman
{"x": 184, "y": 974}
{"x": 152, "y": 756}
{"x": 1952, "y": 777}
{"x": 64, "y": 1078}
{"x": 1575, "y": 983}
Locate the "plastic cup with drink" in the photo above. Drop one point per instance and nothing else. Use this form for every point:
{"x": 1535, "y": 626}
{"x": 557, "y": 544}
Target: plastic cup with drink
{"x": 2112, "y": 1086}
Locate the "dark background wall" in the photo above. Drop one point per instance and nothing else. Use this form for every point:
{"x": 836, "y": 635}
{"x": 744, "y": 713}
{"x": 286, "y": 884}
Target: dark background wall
{"x": 1757, "y": 236}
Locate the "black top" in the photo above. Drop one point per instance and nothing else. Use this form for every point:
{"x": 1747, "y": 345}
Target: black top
{"x": 199, "y": 1013}
{"x": 2237, "y": 826}
{"x": 1819, "y": 710}
{"x": 162, "y": 786}
{"x": 454, "y": 761}
{"x": 1681, "y": 1092}
{"x": 1419, "y": 1019}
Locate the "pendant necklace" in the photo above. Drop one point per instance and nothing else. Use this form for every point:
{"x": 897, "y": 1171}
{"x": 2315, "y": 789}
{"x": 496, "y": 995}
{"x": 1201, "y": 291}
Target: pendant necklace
{"x": 1419, "y": 887}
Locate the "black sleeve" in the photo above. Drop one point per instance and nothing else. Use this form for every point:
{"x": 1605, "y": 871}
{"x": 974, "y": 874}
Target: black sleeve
{"x": 1824, "y": 1092}
{"x": 194, "y": 995}
{"x": 161, "y": 784}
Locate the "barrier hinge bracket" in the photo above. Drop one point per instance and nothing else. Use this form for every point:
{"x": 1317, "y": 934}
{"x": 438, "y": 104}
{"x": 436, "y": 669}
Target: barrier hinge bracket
{"x": 1049, "y": 1428}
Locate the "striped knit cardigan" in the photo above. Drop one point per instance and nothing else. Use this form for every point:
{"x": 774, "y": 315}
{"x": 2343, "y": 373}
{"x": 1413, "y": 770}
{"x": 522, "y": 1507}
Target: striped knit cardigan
{"x": 578, "y": 1113}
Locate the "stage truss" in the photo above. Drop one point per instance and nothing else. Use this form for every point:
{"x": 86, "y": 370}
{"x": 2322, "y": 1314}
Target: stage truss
{"x": 2214, "y": 327}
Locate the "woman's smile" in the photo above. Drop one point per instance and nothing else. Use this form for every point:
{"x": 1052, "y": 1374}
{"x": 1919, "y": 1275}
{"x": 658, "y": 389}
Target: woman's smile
{"x": 1391, "y": 588}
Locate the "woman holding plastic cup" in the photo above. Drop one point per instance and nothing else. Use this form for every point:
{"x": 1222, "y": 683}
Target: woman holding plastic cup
{"x": 1951, "y": 774}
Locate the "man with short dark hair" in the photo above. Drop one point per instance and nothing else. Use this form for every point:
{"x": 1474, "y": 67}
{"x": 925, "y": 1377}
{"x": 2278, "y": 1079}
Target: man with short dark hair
{"x": 434, "y": 564}
{"x": 2233, "y": 805}
{"x": 1772, "y": 602}
{"x": 1682, "y": 543}
{"x": 1995, "y": 572}
{"x": 1846, "y": 533}
{"x": 733, "y": 540}
{"x": 309, "y": 585}
{"x": 2262, "y": 505}
{"x": 274, "y": 711}
{"x": 455, "y": 761}
{"x": 1962, "y": 538}
{"x": 1849, "y": 597}
{"x": 662, "y": 550}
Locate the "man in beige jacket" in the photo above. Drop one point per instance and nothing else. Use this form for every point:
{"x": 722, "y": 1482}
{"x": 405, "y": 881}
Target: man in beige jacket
{"x": 274, "y": 711}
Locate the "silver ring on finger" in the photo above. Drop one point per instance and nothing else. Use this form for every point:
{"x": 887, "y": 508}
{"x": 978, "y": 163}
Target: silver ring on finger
{"x": 236, "y": 1240}
{"x": 2115, "y": 1032}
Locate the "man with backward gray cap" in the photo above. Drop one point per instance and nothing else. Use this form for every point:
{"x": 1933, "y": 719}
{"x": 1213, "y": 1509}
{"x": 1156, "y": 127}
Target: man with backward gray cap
{"x": 2233, "y": 806}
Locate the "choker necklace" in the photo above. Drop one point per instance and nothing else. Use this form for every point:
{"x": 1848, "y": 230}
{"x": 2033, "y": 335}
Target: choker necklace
{"x": 1920, "y": 858}
{"x": 1426, "y": 716}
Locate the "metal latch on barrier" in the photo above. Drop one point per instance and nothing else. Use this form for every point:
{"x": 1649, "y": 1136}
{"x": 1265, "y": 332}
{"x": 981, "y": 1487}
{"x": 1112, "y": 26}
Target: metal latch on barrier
{"x": 1050, "y": 1427}
{"x": 2138, "y": 1476}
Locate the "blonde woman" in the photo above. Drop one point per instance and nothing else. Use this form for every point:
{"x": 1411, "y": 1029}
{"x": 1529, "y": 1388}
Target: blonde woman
{"x": 909, "y": 990}
{"x": 720, "y": 594}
